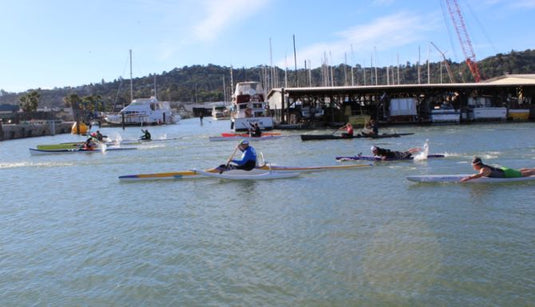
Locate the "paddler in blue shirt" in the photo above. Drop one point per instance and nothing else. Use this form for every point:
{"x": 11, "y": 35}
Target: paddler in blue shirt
{"x": 246, "y": 162}
{"x": 496, "y": 172}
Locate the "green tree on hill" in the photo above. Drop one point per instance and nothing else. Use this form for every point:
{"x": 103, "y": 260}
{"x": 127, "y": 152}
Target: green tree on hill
{"x": 29, "y": 101}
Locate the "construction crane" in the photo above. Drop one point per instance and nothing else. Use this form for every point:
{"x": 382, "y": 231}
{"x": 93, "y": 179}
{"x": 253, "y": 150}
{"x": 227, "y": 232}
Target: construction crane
{"x": 464, "y": 39}
{"x": 446, "y": 63}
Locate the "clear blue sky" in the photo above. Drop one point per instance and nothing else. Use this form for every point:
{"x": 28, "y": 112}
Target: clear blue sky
{"x": 57, "y": 43}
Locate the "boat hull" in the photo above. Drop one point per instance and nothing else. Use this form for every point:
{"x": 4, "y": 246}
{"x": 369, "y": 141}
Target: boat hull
{"x": 36, "y": 151}
{"x": 249, "y": 175}
{"x": 445, "y": 116}
{"x": 144, "y": 111}
{"x": 244, "y": 123}
{"x": 319, "y": 137}
{"x": 190, "y": 174}
{"x": 234, "y": 138}
{"x": 374, "y": 158}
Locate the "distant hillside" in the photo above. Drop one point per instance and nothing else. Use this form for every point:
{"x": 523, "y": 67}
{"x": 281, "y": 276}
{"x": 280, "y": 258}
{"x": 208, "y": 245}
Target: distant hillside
{"x": 199, "y": 84}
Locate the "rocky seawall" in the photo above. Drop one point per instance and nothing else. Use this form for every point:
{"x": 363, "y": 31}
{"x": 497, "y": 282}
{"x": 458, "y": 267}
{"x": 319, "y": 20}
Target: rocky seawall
{"x": 32, "y": 129}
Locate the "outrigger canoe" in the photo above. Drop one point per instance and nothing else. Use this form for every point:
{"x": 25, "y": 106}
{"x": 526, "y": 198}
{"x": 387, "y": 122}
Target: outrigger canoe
{"x": 70, "y": 145}
{"x": 35, "y": 151}
{"x": 318, "y": 137}
{"x": 74, "y": 145}
{"x": 456, "y": 179}
{"x": 374, "y": 158}
{"x": 194, "y": 174}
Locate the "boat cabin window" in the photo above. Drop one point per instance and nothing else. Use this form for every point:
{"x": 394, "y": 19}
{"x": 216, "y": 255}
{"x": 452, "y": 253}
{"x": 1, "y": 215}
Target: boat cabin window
{"x": 243, "y": 98}
{"x": 152, "y": 106}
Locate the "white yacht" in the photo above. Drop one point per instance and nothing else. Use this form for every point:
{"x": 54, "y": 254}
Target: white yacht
{"x": 220, "y": 111}
{"x": 248, "y": 107}
{"x": 144, "y": 111}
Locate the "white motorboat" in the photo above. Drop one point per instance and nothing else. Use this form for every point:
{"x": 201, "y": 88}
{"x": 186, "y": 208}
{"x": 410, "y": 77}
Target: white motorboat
{"x": 249, "y": 107}
{"x": 220, "y": 111}
{"x": 445, "y": 113}
{"x": 482, "y": 109}
{"x": 144, "y": 111}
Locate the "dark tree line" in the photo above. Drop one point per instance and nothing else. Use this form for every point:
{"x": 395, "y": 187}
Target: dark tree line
{"x": 199, "y": 84}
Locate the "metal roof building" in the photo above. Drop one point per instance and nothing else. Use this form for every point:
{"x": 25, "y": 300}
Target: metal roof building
{"x": 338, "y": 102}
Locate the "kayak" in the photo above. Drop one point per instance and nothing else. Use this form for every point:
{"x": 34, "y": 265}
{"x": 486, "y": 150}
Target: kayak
{"x": 317, "y": 137}
{"x": 73, "y": 145}
{"x": 314, "y": 168}
{"x": 224, "y": 134}
{"x": 195, "y": 175}
{"x": 36, "y": 151}
{"x": 456, "y": 179}
{"x": 255, "y": 138}
{"x": 374, "y": 158}
{"x": 140, "y": 140}
{"x": 248, "y": 175}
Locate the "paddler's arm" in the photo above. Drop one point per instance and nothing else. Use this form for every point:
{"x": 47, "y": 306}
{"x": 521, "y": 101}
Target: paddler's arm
{"x": 474, "y": 176}
{"x": 484, "y": 172}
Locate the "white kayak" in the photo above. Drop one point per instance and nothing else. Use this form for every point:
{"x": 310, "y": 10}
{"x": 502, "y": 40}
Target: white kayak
{"x": 457, "y": 177}
{"x": 178, "y": 175}
{"x": 248, "y": 175}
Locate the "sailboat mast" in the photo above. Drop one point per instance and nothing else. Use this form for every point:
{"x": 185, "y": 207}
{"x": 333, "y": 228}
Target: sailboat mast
{"x": 231, "y": 83}
{"x": 155, "y": 96}
{"x": 131, "y": 84}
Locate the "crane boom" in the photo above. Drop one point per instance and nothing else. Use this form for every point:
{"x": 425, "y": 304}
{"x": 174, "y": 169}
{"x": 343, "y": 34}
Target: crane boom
{"x": 464, "y": 39}
{"x": 446, "y": 63}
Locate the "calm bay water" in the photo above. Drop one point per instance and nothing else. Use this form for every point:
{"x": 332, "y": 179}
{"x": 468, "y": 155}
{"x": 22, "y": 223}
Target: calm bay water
{"x": 72, "y": 234}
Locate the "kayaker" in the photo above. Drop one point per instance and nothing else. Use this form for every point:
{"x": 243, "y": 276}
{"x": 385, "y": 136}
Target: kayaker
{"x": 146, "y": 134}
{"x": 496, "y": 172}
{"x": 255, "y": 130}
{"x": 349, "y": 130}
{"x": 99, "y": 136}
{"x": 387, "y": 154}
{"x": 246, "y": 162}
{"x": 89, "y": 144}
{"x": 370, "y": 129}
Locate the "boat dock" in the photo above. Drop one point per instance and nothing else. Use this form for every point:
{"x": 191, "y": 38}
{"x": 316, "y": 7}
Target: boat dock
{"x": 500, "y": 99}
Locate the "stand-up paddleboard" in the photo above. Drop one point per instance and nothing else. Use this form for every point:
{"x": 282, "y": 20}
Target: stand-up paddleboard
{"x": 374, "y": 158}
{"x": 456, "y": 179}
{"x": 249, "y": 175}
